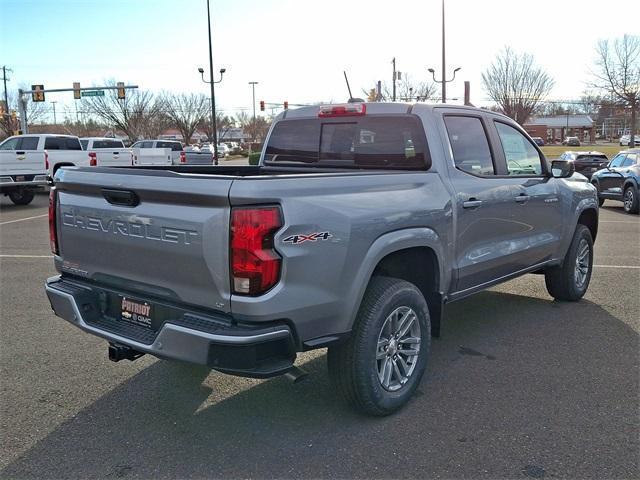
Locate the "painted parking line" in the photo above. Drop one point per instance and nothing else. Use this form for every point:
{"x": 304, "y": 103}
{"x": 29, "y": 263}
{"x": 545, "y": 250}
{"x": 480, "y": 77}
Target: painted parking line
{"x": 26, "y": 256}
{"x": 632, "y": 267}
{"x": 618, "y": 221}
{"x": 23, "y": 219}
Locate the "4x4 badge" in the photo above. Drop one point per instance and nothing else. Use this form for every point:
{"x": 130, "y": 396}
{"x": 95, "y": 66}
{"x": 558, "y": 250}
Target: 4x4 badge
{"x": 312, "y": 237}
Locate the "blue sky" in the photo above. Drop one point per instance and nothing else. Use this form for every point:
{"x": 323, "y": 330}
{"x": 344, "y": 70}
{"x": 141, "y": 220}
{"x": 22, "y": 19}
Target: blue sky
{"x": 296, "y": 50}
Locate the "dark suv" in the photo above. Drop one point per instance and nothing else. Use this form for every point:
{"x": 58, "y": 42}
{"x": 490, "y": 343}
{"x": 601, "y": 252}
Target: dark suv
{"x": 620, "y": 180}
{"x": 586, "y": 163}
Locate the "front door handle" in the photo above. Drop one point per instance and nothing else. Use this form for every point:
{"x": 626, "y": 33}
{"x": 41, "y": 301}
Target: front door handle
{"x": 471, "y": 203}
{"x": 522, "y": 198}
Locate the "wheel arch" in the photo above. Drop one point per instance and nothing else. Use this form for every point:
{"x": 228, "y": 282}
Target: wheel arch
{"x": 57, "y": 166}
{"x": 589, "y": 218}
{"x": 407, "y": 254}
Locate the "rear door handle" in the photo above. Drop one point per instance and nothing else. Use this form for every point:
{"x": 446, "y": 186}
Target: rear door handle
{"x": 20, "y": 153}
{"x": 522, "y": 198}
{"x": 472, "y": 203}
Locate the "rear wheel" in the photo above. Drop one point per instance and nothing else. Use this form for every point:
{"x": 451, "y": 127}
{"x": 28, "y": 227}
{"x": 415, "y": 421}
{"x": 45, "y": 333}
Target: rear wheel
{"x": 22, "y": 196}
{"x": 570, "y": 281}
{"x": 379, "y": 368}
{"x": 630, "y": 199}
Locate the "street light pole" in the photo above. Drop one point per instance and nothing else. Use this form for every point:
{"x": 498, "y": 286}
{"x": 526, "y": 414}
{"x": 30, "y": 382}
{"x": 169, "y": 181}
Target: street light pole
{"x": 54, "y": 112}
{"x": 214, "y": 126}
{"x": 253, "y": 88}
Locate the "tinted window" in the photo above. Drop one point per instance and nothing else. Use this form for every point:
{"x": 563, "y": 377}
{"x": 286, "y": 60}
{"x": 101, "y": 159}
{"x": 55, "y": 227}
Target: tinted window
{"x": 593, "y": 158}
{"x": 54, "y": 143}
{"x": 28, "y": 143}
{"x": 107, "y": 144}
{"x": 11, "y": 144}
{"x": 174, "y": 146}
{"x": 521, "y": 156}
{"x": 617, "y": 161}
{"x": 72, "y": 143}
{"x": 84, "y": 143}
{"x": 469, "y": 145}
{"x": 361, "y": 142}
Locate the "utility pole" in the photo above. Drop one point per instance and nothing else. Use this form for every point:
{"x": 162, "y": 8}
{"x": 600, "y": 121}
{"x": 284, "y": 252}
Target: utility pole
{"x": 253, "y": 88}
{"x": 54, "y": 112}
{"x": 394, "y": 77}
{"x": 444, "y": 81}
{"x": 4, "y": 79}
{"x": 214, "y": 125}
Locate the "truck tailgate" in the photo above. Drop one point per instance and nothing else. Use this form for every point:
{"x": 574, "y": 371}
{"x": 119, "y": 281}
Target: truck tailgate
{"x": 171, "y": 243}
{"x": 22, "y": 162}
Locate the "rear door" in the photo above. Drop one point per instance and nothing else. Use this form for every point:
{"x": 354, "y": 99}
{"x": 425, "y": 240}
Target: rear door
{"x": 156, "y": 235}
{"x": 484, "y": 225}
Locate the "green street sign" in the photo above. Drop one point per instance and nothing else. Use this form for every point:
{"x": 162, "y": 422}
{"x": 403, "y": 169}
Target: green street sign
{"x": 93, "y": 93}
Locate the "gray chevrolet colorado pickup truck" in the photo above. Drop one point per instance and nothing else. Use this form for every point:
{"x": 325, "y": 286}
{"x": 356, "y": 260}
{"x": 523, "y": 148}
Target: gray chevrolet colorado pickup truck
{"x": 360, "y": 223}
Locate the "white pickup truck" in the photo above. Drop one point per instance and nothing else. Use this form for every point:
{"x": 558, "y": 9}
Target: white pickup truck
{"x": 23, "y": 170}
{"x": 107, "y": 152}
{"x": 179, "y": 156}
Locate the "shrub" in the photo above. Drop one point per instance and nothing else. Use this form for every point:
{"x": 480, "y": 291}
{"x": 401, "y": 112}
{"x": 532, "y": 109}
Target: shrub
{"x": 254, "y": 158}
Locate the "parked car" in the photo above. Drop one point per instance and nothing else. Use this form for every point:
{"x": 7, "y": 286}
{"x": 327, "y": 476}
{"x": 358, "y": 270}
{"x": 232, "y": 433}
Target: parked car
{"x": 23, "y": 169}
{"x": 360, "y": 223}
{"x": 625, "y": 140}
{"x": 620, "y": 180}
{"x": 539, "y": 141}
{"x": 61, "y": 151}
{"x": 223, "y": 150}
{"x": 571, "y": 141}
{"x": 178, "y": 154}
{"x": 107, "y": 152}
{"x": 586, "y": 163}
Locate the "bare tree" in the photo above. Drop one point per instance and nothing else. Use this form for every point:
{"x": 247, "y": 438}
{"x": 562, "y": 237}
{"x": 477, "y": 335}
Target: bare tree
{"x": 139, "y": 114}
{"x": 256, "y": 129}
{"x": 516, "y": 84}
{"x": 10, "y": 121}
{"x": 618, "y": 73}
{"x": 186, "y": 112}
{"x": 406, "y": 91}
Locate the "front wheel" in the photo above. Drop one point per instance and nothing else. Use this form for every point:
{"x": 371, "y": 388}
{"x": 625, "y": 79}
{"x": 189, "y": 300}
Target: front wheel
{"x": 630, "y": 199}
{"x": 22, "y": 196}
{"x": 379, "y": 368}
{"x": 570, "y": 281}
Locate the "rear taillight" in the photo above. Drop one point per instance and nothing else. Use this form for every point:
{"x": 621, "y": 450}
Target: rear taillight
{"x": 53, "y": 235}
{"x": 342, "y": 110}
{"x": 46, "y": 161}
{"x": 93, "y": 159}
{"x": 183, "y": 157}
{"x": 255, "y": 265}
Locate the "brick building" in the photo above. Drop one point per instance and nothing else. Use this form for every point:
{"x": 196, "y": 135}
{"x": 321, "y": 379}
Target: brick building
{"x": 557, "y": 127}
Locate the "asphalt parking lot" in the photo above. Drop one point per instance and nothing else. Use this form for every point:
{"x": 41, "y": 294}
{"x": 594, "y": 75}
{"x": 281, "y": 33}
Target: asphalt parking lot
{"x": 518, "y": 386}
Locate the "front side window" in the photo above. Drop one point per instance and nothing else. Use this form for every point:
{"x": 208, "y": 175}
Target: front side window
{"x": 521, "y": 156}
{"x": 617, "y": 161}
{"x": 469, "y": 145}
{"x": 11, "y": 144}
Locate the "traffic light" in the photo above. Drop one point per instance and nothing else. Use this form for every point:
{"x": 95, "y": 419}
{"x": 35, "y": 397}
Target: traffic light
{"x": 286, "y": 105}
{"x": 37, "y": 95}
{"x": 120, "y": 90}
{"x": 262, "y": 105}
{"x": 76, "y": 90}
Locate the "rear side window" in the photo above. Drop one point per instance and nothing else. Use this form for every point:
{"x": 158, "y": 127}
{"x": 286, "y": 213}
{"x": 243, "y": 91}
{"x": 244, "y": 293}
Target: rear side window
{"x": 469, "y": 145}
{"x": 28, "y": 143}
{"x": 521, "y": 156}
{"x": 395, "y": 142}
{"x": 72, "y": 143}
{"x": 107, "y": 144}
{"x": 62, "y": 143}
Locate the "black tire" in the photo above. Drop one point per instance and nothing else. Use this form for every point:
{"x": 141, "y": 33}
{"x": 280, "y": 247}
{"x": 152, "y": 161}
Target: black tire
{"x": 22, "y": 196}
{"x": 630, "y": 199}
{"x": 353, "y": 364}
{"x": 563, "y": 283}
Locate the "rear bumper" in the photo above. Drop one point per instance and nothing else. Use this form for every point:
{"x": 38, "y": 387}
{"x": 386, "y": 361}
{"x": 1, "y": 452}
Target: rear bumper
{"x": 220, "y": 343}
{"x": 9, "y": 181}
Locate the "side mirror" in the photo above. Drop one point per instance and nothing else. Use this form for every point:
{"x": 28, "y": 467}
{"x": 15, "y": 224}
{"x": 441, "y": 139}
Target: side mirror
{"x": 562, "y": 169}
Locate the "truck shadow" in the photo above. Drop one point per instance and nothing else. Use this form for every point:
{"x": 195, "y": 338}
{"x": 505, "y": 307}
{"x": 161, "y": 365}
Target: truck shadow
{"x": 511, "y": 374}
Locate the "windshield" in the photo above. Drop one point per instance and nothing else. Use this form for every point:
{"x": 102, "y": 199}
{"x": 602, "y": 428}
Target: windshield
{"x": 391, "y": 141}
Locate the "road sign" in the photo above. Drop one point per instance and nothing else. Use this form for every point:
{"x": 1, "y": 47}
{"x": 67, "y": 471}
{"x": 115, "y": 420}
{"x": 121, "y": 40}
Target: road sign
{"x": 93, "y": 93}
